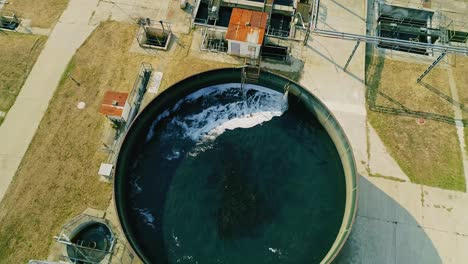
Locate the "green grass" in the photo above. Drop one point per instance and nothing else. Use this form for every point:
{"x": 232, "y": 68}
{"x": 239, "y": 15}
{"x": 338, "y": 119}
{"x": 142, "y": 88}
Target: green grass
{"x": 429, "y": 154}
{"x": 18, "y": 53}
{"x": 68, "y": 69}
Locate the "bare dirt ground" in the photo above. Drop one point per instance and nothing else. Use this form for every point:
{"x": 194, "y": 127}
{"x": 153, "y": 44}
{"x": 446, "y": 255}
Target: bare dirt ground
{"x": 428, "y": 153}
{"x": 57, "y": 178}
{"x": 18, "y": 53}
{"x": 43, "y": 13}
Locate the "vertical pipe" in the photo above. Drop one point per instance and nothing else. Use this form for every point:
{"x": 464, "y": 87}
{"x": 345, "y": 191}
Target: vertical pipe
{"x": 429, "y": 37}
{"x": 162, "y": 25}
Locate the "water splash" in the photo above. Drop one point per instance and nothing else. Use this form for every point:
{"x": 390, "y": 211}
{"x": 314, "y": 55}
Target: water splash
{"x": 223, "y": 108}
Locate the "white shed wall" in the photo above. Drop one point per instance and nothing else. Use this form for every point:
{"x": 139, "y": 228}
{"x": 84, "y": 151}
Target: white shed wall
{"x": 244, "y": 48}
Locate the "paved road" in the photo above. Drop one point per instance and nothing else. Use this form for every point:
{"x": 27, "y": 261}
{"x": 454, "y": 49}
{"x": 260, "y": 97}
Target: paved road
{"x": 22, "y": 120}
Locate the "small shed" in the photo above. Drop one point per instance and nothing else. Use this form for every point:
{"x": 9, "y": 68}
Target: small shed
{"x": 246, "y": 32}
{"x": 115, "y": 106}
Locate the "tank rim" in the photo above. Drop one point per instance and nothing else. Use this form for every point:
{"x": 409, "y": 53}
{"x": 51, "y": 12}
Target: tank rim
{"x": 266, "y": 77}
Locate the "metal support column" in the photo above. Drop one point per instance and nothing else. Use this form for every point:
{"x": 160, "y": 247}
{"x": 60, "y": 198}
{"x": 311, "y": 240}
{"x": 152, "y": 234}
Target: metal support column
{"x": 307, "y": 34}
{"x": 243, "y": 77}
{"x": 352, "y": 54}
{"x": 312, "y": 21}
{"x": 431, "y": 66}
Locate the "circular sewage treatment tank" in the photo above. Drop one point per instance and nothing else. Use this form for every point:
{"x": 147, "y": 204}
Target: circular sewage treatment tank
{"x": 93, "y": 240}
{"x": 212, "y": 173}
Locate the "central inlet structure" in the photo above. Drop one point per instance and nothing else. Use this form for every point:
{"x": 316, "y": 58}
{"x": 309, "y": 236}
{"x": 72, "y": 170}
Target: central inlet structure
{"x": 212, "y": 170}
{"x": 90, "y": 242}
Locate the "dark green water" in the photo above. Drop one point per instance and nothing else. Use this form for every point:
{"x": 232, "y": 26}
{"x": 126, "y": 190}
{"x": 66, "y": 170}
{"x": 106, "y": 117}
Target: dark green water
{"x": 272, "y": 193}
{"x": 94, "y": 236}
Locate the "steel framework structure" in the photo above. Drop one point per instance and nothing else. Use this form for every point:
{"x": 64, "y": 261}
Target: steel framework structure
{"x": 443, "y": 48}
{"x": 374, "y": 39}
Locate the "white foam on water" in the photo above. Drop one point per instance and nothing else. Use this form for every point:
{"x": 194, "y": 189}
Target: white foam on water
{"x": 150, "y": 134}
{"x": 148, "y": 218}
{"x": 275, "y": 250}
{"x": 248, "y": 112}
{"x": 247, "y": 121}
{"x": 174, "y": 155}
{"x": 258, "y": 106}
{"x": 137, "y": 187}
{"x": 176, "y": 240}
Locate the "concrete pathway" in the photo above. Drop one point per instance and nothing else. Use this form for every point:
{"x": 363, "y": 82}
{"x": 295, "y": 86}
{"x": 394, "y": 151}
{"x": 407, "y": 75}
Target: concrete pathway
{"x": 458, "y": 122}
{"x": 402, "y": 222}
{"x": 23, "y": 118}
{"x": 324, "y": 58}
{"x": 129, "y": 10}
{"x": 380, "y": 161}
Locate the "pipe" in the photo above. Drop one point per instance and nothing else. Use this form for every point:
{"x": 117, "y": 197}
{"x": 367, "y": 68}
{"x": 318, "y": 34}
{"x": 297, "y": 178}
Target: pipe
{"x": 376, "y": 40}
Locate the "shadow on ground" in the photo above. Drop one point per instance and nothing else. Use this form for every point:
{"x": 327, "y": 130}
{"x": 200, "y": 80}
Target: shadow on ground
{"x": 374, "y": 91}
{"x": 385, "y": 232}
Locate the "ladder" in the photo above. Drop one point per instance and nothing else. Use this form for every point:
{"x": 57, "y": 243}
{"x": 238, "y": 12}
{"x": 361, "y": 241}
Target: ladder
{"x": 251, "y": 70}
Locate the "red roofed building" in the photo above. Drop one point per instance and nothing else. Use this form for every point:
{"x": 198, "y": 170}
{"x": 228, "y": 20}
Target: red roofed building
{"x": 115, "y": 106}
{"x": 246, "y": 32}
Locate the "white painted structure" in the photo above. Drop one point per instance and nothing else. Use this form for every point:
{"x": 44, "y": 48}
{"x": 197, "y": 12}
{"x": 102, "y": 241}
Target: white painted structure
{"x": 243, "y": 49}
{"x": 246, "y": 32}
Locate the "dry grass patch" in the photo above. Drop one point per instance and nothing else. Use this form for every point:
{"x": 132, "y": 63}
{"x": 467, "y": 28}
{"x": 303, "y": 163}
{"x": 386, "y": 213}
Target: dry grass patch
{"x": 429, "y": 154}
{"x": 18, "y": 53}
{"x": 460, "y": 74}
{"x": 43, "y": 13}
{"x": 57, "y": 178}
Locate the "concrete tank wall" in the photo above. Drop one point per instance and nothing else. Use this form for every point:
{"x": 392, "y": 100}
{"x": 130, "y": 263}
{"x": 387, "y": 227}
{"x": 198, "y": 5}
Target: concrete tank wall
{"x": 232, "y": 75}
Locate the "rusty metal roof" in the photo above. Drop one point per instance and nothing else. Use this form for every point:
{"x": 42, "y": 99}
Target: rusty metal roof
{"x": 247, "y": 26}
{"x": 113, "y": 103}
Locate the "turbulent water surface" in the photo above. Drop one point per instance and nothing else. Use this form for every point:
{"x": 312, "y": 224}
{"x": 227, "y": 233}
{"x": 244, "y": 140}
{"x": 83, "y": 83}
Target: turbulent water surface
{"x": 232, "y": 176}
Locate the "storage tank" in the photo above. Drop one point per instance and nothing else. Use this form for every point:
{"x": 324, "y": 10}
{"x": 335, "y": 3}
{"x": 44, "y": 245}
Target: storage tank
{"x": 212, "y": 171}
